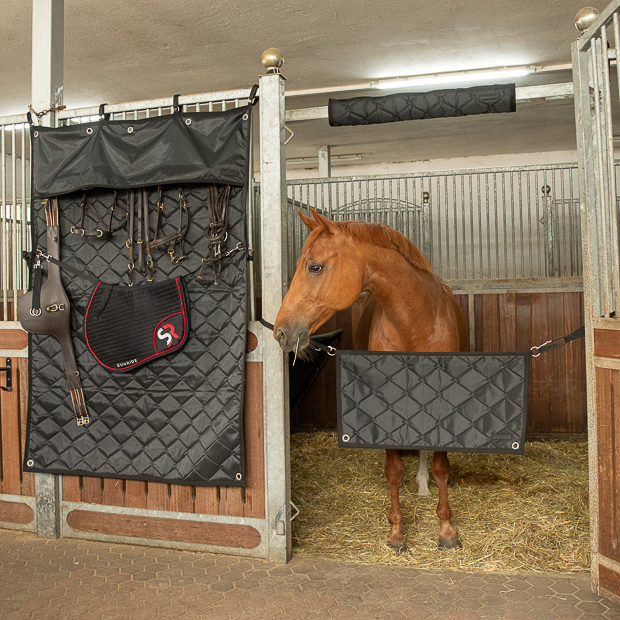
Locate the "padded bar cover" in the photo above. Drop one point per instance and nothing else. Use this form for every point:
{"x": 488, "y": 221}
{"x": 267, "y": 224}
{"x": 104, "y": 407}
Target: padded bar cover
{"x": 415, "y": 106}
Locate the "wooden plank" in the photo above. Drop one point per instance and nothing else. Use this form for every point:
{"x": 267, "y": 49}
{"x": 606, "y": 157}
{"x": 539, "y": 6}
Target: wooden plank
{"x": 558, "y": 419}
{"x": 92, "y": 490}
{"x": 157, "y": 496}
{"x": 609, "y": 580}
{"x": 575, "y": 354}
{"x": 254, "y": 442}
{"x": 607, "y": 343}
{"x": 13, "y": 339}
{"x": 231, "y": 501}
{"x": 507, "y": 322}
{"x": 181, "y": 498}
{"x": 538, "y": 420}
{"x": 28, "y": 487}
{"x": 135, "y": 494}
{"x": 11, "y": 438}
{"x": 608, "y": 433}
{"x": 71, "y": 490}
{"x": 16, "y": 512}
{"x": 113, "y": 492}
{"x": 156, "y": 528}
{"x": 207, "y": 501}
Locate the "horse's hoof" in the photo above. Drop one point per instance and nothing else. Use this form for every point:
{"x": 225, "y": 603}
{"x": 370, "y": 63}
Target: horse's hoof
{"x": 399, "y": 547}
{"x": 449, "y": 542}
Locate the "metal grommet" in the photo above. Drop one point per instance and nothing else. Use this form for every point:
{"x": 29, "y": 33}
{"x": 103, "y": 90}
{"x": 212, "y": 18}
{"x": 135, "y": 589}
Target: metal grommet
{"x": 188, "y": 121}
{"x": 515, "y": 445}
{"x": 30, "y": 463}
{"x": 345, "y": 438}
{"x": 245, "y": 116}
{"x": 89, "y": 130}
{"x": 129, "y": 129}
{"x": 238, "y": 476}
{"x": 36, "y": 134}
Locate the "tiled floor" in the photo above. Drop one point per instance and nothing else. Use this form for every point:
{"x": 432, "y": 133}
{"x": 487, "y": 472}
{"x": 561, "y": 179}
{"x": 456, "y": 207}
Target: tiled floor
{"x": 54, "y": 579}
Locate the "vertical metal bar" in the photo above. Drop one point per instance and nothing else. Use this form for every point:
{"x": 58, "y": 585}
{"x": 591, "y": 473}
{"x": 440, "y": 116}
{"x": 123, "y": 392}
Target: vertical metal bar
{"x": 513, "y": 226}
{"x": 274, "y": 278}
{"x": 611, "y": 174}
{"x": 471, "y": 226}
{"x": 47, "y": 90}
{"x": 24, "y": 211}
{"x": 3, "y": 236}
{"x": 14, "y": 238}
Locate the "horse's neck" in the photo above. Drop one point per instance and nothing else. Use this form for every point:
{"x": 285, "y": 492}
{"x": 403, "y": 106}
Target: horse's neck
{"x": 407, "y": 298}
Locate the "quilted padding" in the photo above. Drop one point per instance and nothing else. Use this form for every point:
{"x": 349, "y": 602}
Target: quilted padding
{"x": 417, "y": 106}
{"x": 175, "y": 419}
{"x": 466, "y": 402}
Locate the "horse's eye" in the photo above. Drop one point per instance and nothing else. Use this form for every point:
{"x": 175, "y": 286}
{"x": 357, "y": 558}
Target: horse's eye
{"x": 315, "y": 268}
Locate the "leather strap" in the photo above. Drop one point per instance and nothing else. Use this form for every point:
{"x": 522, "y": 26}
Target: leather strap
{"x": 147, "y": 245}
{"x": 129, "y": 242}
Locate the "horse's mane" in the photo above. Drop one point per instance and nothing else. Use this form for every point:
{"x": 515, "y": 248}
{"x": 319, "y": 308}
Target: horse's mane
{"x": 386, "y": 237}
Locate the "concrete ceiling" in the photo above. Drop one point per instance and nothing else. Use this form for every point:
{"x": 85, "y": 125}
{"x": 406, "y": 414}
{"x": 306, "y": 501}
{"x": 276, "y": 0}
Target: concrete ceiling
{"x": 124, "y": 50}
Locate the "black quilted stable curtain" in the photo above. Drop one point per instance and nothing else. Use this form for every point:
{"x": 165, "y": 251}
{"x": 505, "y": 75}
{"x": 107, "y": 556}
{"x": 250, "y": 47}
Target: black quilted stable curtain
{"x": 466, "y": 402}
{"x": 177, "y": 418}
{"x": 415, "y": 106}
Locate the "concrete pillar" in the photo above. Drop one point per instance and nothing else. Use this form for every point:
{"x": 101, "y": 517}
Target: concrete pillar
{"x": 275, "y": 363}
{"x": 47, "y": 90}
{"x": 325, "y": 162}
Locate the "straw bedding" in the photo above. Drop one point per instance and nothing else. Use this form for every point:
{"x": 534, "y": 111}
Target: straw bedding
{"x": 513, "y": 513}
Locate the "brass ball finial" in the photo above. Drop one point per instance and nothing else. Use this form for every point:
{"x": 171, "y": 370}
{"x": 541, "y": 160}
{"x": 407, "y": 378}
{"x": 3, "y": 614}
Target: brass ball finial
{"x": 585, "y": 18}
{"x": 272, "y": 60}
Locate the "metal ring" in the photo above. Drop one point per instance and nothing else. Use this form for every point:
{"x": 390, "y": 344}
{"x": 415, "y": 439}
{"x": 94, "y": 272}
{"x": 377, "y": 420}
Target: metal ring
{"x": 515, "y": 445}
{"x": 129, "y": 129}
{"x": 238, "y": 476}
{"x": 30, "y": 463}
{"x": 345, "y": 438}
{"x": 89, "y": 130}
{"x": 188, "y": 121}
{"x": 35, "y": 311}
{"x": 36, "y": 134}
{"x": 245, "y": 116}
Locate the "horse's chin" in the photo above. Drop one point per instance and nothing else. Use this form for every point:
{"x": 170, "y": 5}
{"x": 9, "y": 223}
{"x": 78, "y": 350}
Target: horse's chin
{"x": 305, "y": 354}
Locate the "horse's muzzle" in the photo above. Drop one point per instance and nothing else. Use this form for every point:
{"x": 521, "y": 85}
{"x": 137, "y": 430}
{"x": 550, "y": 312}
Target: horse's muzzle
{"x": 292, "y": 339}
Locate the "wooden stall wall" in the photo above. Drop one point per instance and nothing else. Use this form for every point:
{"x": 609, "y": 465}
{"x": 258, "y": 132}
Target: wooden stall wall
{"x": 14, "y": 483}
{"x": 508, "y": 321}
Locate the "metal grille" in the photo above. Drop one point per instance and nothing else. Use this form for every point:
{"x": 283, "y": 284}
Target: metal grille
{"x": 595, "y": 110}
{"x": 473, "y": 224}
{"x": 14, "y": 208}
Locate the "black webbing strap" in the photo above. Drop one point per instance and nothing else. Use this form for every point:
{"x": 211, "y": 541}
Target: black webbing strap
{"x": 64, "y": 266}
{"x": 534, "y": 351}
{"x": 548, "y": 346}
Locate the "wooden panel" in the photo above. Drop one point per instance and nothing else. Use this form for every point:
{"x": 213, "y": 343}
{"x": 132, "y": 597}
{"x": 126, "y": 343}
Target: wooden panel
{"x": 254, "y": 431}
{"x": 609, "y": 579}
{"x": 16, "y": 339}
{"x": 608, "y": 433}
{"x": 607, "y": 343}
{"x": 113, "y": 492}
{"x": 92, "y": 490}
{"x": 157, "y": 496}
{"x": 135, "y": 494}
{"x": 11, "y": 437}
{"x": 207, "y": 501}
{"x": 71, "y": 489}
{"x": 16, "y": 512}
{"x": 220, "y": 534}
{"x": 22, "y": 382}
{"x": 181, "y": 498}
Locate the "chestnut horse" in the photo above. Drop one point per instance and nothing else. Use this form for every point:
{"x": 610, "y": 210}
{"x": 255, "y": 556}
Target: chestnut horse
{"x": 407, "y": 308}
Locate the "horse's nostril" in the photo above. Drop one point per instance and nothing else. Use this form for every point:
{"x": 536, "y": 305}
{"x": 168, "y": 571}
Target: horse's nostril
{"x": 281, "y": 336}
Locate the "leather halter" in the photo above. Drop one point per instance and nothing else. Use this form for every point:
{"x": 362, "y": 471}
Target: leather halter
{"x": 105, "y": 231}
{"x": 166, "y": 243}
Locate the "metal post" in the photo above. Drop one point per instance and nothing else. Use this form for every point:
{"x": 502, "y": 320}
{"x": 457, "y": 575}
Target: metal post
{"x": 274, "y": 278}
{"x": 325, "y": 162}
{"x": 47, "y": 87}
{"x": 550, "y": 225}
{"x": 427, "y": 244}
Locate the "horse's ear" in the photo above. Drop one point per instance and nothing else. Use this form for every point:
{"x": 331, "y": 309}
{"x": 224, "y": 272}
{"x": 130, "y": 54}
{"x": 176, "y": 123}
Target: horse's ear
{"x": 327, "y": 225}
{"x": 310, "y": 223}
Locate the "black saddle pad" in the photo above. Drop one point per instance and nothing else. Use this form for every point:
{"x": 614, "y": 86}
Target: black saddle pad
{"x": 127, "y": 326}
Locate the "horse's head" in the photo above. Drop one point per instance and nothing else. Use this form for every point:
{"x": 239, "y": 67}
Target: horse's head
{"x": 328, "y": 278}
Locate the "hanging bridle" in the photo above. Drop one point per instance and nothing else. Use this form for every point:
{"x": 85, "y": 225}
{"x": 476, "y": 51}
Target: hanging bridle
{"x": 105, "y": 231}
{"x": 166, "y": 243}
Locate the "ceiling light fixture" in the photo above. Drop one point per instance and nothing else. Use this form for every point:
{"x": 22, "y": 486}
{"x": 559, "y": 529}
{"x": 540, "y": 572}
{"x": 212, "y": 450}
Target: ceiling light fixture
{"x": 453, "y": 77}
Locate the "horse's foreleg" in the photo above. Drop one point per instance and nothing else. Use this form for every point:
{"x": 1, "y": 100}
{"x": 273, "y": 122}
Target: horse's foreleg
{"x": 422, "y": 475}
{"x": 394, "y": 470}
{"x": 440, "y": 467}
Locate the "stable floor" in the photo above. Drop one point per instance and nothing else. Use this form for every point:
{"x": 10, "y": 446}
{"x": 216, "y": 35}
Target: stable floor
{"x": 63, "y": 579}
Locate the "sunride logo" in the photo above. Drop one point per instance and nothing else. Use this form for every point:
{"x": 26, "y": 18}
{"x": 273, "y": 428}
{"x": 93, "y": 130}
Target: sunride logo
{"x": 129, "y": 363}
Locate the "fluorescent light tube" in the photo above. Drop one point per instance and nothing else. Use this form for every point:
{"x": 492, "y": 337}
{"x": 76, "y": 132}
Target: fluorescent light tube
{"x": 458, "y": 76}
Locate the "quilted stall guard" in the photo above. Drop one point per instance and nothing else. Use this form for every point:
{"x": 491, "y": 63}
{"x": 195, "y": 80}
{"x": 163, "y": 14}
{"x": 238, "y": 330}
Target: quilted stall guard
{"x": 417, "y": 106}
{"x": 466, "y": 402}
{"x": 177, "y": 418}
